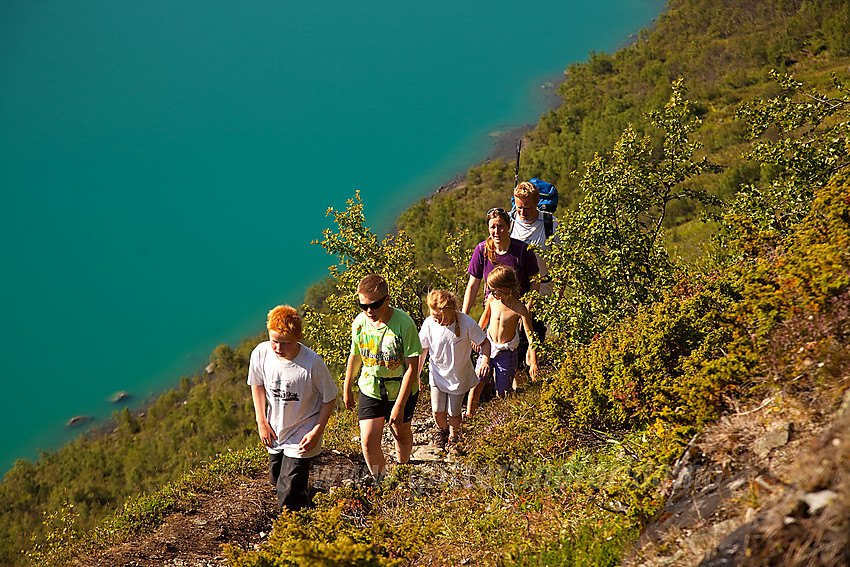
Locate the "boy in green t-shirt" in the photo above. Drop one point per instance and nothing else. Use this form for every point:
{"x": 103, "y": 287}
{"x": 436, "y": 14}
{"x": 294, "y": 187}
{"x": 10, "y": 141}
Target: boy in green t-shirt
{"x": 385, "y": 345}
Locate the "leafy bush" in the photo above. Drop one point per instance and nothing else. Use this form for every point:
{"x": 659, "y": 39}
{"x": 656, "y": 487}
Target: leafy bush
{"x": 610, "y": 258}
{"x": 806, "y": 133}
{"x": 651, "y": 366}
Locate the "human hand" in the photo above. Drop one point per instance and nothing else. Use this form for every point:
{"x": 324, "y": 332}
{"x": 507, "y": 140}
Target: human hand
{"x": 348, "y": 399}
{"x": 267, "y": 434}
{"x": 483, "y": 369}
{"x": 397, "y": 415}
{"x": 309, "y": 441}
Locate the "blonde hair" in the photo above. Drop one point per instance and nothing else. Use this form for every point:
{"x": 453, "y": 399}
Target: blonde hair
{"x": 527, "y": 190}
{"x": 285, "y": 320}
{"x": 373, "y": 283}
{"x": 504, "y": 277}
{"x": 490, "y": 244}
{"x": 444, "y": 301}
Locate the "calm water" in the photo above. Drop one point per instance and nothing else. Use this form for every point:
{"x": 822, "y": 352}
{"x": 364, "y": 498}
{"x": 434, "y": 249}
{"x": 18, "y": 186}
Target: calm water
{"x": 164, "y": 165}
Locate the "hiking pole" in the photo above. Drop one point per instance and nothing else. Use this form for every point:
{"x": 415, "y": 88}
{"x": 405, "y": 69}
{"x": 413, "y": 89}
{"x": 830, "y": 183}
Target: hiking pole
{"x": 516, "y": 169}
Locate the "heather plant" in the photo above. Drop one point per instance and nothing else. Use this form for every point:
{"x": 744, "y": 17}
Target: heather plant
{"x": 364, "y": 525}
{"x": 805, "y": 270}
{"x": 798, "y": 296}
{"x": 516, "y": 431}
{"x": 711, "y": 339}
{"x": 651, "y": 366}
{"x": 811, "y": 342}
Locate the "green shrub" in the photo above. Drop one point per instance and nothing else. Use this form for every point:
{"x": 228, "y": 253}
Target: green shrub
{"x": 651, "y": 366}
{"x": 367, "y": 525}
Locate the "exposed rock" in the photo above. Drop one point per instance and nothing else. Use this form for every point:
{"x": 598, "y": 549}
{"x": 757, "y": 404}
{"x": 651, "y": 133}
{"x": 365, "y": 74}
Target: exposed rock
{"x": 776, "y": 437}
{"x": 427, "y": 453}
{"x": 79, "y": 420}
{"x": 726, "y": 504}
{"x": 817, "y": 500}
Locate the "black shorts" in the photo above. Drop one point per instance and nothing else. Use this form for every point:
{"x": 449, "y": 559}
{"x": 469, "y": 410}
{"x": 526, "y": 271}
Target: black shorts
{"x": 371, "y": 408}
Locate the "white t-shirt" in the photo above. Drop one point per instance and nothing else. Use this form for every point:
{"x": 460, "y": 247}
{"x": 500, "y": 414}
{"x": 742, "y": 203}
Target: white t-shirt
{"x": 534, "y": 232}
{"x": 451, "y": 370}
{"x": 295, "y": 392}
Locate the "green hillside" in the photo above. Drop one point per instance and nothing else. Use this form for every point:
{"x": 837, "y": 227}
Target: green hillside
{"x": 705, "y": 249}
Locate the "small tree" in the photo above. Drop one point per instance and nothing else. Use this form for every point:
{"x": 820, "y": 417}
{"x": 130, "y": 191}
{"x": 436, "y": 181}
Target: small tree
{"x": 812, "y": 135}
{"x": 360, "y": 252}
{"x": 610, "y": 259}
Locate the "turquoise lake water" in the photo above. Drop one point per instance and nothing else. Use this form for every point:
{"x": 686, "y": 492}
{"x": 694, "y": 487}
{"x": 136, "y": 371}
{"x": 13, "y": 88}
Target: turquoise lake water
{"x": 164, "y": 165}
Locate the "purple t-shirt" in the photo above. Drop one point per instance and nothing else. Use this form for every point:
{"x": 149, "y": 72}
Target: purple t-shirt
{"x": 518, "y": 257}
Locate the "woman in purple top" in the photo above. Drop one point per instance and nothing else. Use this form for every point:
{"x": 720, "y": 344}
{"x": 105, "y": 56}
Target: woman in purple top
{"x": 500, "y": 250}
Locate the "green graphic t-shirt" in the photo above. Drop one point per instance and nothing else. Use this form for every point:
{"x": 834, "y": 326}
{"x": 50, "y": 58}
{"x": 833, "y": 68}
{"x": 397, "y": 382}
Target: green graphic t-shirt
{"x": 383, "y": 350}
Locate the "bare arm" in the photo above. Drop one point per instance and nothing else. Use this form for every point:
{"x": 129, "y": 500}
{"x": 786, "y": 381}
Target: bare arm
{"x": 312, "y": 437}
{"x": 471, "y": 293}
{"x": 422, "y": 358}
{"x": 352, "y": 368}
{"x": 484, "y": 368}
{"x": 531, "y": 355}
{"x": 484, "y": 320}
{"x": 411, "y": 366}
{"x": 267, "y": 434}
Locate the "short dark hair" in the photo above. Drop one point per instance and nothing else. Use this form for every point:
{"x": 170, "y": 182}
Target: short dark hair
{"x": 373, "y": 283}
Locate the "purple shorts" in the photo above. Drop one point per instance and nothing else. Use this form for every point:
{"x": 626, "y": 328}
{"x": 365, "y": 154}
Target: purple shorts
{"x": 503, "y": 366}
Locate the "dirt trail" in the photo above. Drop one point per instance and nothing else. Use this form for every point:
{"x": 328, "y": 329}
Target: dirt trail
{"x": 243, "y": 513}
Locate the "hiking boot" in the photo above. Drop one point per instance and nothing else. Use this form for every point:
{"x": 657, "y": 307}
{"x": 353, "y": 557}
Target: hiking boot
{"x": 440, "y": 437}
{"x": 454, "y": 448}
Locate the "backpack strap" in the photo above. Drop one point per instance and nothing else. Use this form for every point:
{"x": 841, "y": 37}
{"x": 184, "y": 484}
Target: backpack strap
{"x": 548, "y": 223}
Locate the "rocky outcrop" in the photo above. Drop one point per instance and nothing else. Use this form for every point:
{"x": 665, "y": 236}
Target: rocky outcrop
{"x": 755, "y": 490}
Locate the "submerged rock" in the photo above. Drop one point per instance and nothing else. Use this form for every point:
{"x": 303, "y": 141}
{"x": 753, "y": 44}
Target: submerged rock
{"x": 119, "y": 397}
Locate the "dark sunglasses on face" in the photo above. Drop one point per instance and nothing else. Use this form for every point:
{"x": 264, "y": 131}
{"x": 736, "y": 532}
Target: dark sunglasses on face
{"x": 374, "y": 305}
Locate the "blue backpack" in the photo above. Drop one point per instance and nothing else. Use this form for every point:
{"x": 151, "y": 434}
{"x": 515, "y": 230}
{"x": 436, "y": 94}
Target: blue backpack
{"x": 548, "y": 195}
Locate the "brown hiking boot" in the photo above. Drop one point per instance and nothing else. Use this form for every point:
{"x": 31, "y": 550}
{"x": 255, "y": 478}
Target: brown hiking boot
{"x": 451, "y": 445}
{"x": 440, "y": 437}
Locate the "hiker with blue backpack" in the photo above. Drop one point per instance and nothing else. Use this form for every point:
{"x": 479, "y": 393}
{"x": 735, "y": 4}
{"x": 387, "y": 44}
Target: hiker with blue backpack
{"x": 534, "y": 204}
{"x": 534, "y": 222}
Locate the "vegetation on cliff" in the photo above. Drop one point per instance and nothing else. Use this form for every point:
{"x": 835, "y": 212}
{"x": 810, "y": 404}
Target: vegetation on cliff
{"x": 703, "y": 251}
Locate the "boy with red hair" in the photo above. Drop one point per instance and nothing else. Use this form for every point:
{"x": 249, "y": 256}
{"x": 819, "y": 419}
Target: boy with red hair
{"x": 294, "y": 395}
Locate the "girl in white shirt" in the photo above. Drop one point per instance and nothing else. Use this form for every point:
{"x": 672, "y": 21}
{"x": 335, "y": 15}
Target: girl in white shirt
{"x": 447, "y": 336}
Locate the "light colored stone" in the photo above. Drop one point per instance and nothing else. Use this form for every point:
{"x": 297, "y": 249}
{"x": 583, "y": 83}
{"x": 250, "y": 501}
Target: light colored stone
{"x": 817, "y": 500}
{"x": 776, "y": 437}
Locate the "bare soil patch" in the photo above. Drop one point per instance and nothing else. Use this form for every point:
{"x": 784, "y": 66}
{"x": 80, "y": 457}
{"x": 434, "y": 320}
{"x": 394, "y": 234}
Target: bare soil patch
{"x": 241, "y": 514}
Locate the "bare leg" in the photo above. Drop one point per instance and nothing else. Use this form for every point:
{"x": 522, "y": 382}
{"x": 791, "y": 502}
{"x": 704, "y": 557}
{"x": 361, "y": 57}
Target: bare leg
{"x": 440, "y": 419}
{"x": 454, "y": 427}
{"x": 474, "y": 398}
{"x": 403, "y": 441}
{"x": 370, "y": 439}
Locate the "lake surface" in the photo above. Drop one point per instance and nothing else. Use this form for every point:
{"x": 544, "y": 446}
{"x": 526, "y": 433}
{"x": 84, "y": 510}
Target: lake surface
{"x": 164, "y": 165}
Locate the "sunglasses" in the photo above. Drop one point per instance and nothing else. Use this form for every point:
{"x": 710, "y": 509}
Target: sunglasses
{"x": 373, "y": 305}
{"x": 497, "y": 210}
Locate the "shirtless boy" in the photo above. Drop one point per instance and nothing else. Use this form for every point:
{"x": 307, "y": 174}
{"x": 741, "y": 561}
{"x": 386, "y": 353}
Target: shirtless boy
{"x": 502, "y": 315}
